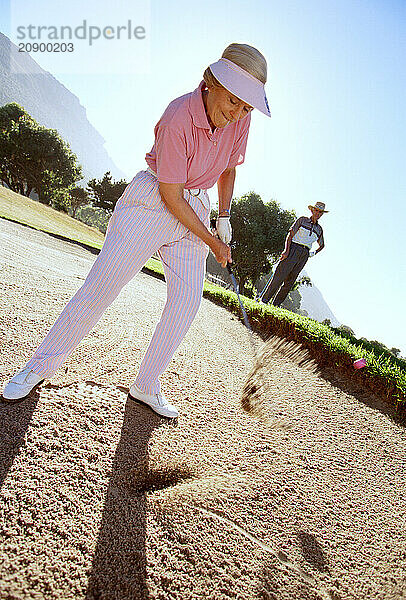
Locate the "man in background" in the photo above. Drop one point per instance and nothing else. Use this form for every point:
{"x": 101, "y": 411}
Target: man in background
{"x": 302, "y": 234}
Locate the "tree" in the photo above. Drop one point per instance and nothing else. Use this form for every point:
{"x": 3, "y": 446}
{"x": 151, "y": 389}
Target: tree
{"x": 345, "y": 329}
{"x": 94, "y": 217}
{"x": 259, "y": 232}
{"x": 293, "y": 300}
{"x": 304, "y": 280}
{"x": 395, "y": 351}
{"x": 379, "y": 345}
{"x": 78, "y": 197}
{"x": 104, "y": 192}
{"x": 33, "y": 157}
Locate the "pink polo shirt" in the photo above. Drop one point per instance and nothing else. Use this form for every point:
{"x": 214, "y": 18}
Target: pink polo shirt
{"x": 185, "y": 149}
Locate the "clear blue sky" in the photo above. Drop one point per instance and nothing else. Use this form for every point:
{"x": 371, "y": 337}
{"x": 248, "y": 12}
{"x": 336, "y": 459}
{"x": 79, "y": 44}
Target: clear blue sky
{"x": 337, "y": 92}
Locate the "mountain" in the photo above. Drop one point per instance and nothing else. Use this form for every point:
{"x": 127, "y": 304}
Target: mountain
{"x": 315, "y": 305}
{"x": 52, "y": 105}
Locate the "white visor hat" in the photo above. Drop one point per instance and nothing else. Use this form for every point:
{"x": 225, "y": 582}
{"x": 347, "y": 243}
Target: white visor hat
{"x": 240, "y": 83}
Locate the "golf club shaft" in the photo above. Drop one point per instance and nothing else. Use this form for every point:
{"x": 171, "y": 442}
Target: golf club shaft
{"x": 236, "y": 289}
{"x": 244, "y": 313}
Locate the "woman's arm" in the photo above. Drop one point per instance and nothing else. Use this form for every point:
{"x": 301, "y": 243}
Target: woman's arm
{"x": 172, "y": 196}
{"x": 225, "y": 188}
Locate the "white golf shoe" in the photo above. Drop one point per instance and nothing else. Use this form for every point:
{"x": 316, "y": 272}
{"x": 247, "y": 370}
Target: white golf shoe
{"x": 22, "y": 384}
{"x": 157, "y": 402}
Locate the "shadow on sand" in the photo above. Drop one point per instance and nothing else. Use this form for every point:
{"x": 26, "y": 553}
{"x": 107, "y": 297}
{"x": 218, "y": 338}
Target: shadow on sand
{"x": 118, "y": 569}
{"x": 14, "y": 422}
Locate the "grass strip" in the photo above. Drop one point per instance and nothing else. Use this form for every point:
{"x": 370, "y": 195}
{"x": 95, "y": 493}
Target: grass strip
{"x": 384, "y": 375}
{"x": 25, "y": 211}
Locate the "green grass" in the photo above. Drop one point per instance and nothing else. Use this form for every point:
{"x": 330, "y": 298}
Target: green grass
{"x": 44, "y": 218}
{"x": 383, "y": 374}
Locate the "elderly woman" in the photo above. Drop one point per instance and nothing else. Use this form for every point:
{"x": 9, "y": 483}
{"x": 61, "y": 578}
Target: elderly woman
{"x": 199, "y": 140}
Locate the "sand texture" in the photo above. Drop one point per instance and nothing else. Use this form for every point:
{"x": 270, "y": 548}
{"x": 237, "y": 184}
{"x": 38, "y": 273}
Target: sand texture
{"x": 101, "y": 499}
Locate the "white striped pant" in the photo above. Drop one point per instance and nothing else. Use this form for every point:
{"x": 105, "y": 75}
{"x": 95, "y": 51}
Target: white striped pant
{"x": 140, "y": 226}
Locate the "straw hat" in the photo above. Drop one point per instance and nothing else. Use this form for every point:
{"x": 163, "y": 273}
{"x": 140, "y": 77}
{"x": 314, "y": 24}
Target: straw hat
{"x": 319, "y": 206}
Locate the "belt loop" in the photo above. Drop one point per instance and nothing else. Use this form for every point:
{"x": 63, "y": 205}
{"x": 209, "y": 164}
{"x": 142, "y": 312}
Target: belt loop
{"x": 152, "y": 172}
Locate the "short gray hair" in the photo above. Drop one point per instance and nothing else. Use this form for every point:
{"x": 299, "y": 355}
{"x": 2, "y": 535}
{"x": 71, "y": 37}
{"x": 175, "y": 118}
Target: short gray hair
{"x": 247, "y": 57}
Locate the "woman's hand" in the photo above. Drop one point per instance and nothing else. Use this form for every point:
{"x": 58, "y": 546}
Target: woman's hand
{"x": 224, "y": 230}
{"x": 172, "y": 197}
{"x": 221, "y": 251}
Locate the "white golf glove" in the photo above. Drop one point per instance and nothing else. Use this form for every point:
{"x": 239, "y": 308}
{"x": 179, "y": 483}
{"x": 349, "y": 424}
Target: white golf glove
{"x": 224, "y": 231}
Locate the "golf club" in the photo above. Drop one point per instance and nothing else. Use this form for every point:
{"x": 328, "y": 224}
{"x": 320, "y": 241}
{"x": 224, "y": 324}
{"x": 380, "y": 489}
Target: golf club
{"x": 244, "y": 313}
{"x": 257, "y": 385}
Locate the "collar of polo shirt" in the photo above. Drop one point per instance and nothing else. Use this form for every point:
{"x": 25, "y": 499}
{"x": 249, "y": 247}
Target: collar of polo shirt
{"x": 197, "y": 109}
